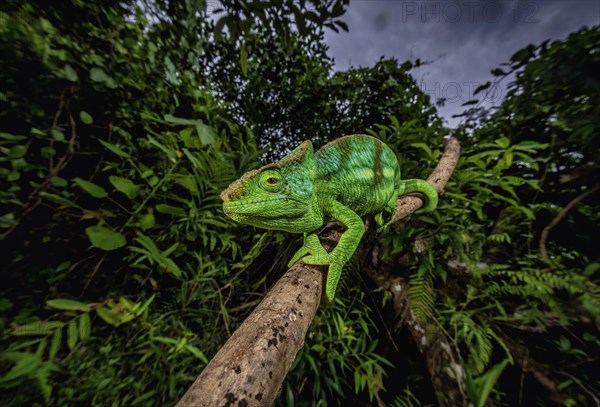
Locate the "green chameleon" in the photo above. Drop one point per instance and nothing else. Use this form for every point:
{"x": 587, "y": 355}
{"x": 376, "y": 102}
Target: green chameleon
{"x": 347, "y": 178}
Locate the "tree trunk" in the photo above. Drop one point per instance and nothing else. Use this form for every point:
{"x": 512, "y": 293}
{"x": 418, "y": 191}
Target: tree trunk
{"x": 441, "y": 360}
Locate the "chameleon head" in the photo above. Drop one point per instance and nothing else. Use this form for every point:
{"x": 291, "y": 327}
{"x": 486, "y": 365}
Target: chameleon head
{"x": 276, "y": 196}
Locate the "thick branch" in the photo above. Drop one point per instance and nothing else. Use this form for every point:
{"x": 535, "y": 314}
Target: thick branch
{"x": 441, "y": 360}
{"x": 250, "y": 367}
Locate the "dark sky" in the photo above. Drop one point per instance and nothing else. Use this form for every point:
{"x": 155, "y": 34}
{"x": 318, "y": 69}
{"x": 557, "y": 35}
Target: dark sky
{"x": 464, "y": 40}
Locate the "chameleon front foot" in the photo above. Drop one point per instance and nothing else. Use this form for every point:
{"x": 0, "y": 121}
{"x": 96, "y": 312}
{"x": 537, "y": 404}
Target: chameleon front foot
{"x": 311, "y": 252}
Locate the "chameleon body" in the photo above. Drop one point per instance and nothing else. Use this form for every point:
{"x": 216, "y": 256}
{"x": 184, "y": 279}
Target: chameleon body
{"x": 346, "y": 179}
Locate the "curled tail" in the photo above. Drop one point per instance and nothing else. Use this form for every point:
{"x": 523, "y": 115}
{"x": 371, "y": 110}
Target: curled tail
{"x": 408, "y": 187}
{"x": 422, "y": 187}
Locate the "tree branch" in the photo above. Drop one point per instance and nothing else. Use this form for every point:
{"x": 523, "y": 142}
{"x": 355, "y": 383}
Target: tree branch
{"x": 35, "y": 197}
{"x": 249, "y": 369}
{"x": 557, "y": 219}
{"x": 442, "y": 362}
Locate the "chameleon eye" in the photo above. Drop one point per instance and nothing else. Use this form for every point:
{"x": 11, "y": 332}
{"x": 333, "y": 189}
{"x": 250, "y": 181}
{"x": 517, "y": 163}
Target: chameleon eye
{"x": 271, "y": 181}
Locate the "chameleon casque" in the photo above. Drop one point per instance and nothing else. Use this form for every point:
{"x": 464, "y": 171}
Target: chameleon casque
{"x": 346, "y": 179}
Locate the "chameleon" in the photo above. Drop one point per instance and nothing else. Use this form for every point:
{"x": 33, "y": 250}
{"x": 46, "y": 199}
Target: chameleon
{"x": 345, "y": 180}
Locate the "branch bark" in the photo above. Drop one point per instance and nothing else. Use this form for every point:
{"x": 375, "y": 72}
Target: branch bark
{"x": 251, "y": 366}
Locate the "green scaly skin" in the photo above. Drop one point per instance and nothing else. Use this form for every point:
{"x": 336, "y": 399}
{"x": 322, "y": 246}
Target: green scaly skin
{"x": 345, "y": 180}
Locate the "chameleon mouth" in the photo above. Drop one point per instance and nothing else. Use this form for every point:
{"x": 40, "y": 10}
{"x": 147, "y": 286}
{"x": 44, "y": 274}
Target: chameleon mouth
{"x": 232, "y": 207}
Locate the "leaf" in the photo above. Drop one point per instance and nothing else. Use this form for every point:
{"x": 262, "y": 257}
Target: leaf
{"x": 170, "y": 210}
{"x": 62, "y": 201}
{"x": 71, "y": 74}
{"x": 482, "y": 87}
{"x": 185, "y": 135}
{"x": 342, "y": 25}
{"x": 521, "y": 56}
{"x": 72, "y": 334}
{"x": 12, "y": 137}
{"x": 26, "y": 363}
{"x": 147, "y": 221}
{"x": 244, "y": 59}
{"x": 69, "y": 305}
{"x": 498, "y": 72}
{"x": 85, "y": 326}
{"x": 590, "y": 269}
{"x": 187, "y": 181}
{"x": 488, "y": 381}
{"x": 37, "y": 328}
{"x": 104, "y": 238}
{"x": 85, "y": 117}
{"x": 17, "y": 151}
{"x": 196, "y": 352}
{"x": 146, "y": 304}
{"x": 423, "y": 147}
{"x": 98, "y": 75}
{"x": 115, "y": 149}
{"x": 338, "y": 9}
{"x": 206, "y": 133}
{"x": 179, "y": 120}
{"x": 144, "y": 397}
{"x": 108, "y": 316}
{"x": 219, "y": 26}
{"x": 94, "y": 190}
{"x": 55, "y": 344}
{"x": 503, "y": 142}
{"x": 57, "y": 135}
{"x": 171, "y": 154}
{"x": 125, "y": 186}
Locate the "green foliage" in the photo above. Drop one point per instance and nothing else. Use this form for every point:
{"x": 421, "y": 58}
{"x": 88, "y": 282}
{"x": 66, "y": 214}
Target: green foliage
{"x": 342, "y": 355}
{"x": 406, "y": 399}
{"x": 479, "y": 388}
{"x": 127, "y": 190}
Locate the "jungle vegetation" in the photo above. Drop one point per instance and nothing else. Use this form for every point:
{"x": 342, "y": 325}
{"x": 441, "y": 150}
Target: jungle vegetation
{"x": 121, "y": 122}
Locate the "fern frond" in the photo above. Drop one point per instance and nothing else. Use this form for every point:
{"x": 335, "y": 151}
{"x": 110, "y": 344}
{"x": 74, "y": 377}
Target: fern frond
{"x": 421, "y": 298}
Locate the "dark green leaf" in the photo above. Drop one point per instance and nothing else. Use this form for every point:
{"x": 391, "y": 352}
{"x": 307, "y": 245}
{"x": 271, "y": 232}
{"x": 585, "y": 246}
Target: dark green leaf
{"x": 69, "y": 305}
{"x": 125, "y": 186}
{"x": 94, "y": 190}
{"x": 170, "y": 210}
{"x": 85, "y": 117}
{"x": 115, "y": 149}
{"x": 72, "y": 334}
{"x": 85, "y": 326}
{"x": 104, "y": 238}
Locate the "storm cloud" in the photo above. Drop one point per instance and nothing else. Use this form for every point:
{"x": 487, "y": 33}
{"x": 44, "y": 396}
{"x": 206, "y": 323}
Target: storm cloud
{"x": 460, "y": 41}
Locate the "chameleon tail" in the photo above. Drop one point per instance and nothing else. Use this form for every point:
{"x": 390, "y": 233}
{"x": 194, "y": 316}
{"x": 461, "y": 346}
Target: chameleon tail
{"x": 422, "y": 187}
